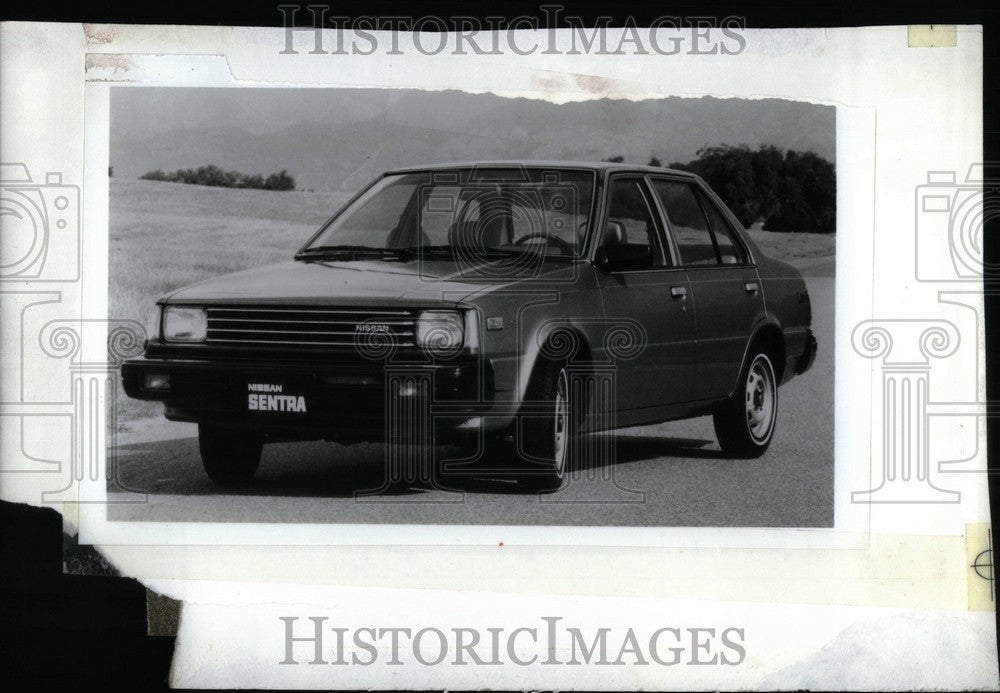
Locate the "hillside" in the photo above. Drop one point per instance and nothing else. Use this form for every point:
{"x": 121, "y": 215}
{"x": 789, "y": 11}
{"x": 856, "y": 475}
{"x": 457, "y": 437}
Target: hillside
{"x": 166, "y": 235}
{"x": 344, "y": 145}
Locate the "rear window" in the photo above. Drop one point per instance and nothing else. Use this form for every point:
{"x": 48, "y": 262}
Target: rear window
{"x": 729, "y": 248}
{"x": 687, "y": 222}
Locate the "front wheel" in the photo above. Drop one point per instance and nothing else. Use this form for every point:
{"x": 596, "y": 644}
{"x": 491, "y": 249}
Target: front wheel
{"x": 745, "y": 424}
{"x": 229, "y": 455}
{"x": 548, "y": 440}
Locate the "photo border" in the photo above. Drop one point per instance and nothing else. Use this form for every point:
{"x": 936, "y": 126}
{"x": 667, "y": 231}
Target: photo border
{"x": 855, "y": 143}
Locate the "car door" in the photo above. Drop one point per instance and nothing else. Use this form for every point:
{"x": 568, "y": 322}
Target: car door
{"x": 650, "y": 295}
{"x": 724, "y": 287}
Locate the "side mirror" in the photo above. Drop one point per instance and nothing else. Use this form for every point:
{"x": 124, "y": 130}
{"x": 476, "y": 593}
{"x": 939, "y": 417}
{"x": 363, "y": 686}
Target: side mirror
{"x": 617, "y": 258}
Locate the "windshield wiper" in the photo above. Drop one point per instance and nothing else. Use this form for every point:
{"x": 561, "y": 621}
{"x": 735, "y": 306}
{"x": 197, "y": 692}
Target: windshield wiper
{"x": 352, "y": 252}
{"x": 528, "y": 250}
{"x": 491, "y": 252}
{"x": 450, "y": 251}
{"x": 447, "y": 250}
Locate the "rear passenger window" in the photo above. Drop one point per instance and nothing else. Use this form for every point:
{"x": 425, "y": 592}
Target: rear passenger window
{"x": 729, "y": 249}
{"x": 687, "y": 222}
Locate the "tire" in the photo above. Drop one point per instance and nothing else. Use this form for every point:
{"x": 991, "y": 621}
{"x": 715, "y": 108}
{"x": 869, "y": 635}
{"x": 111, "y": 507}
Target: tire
{"x": 229, "y": 456}
{"x": 549, "y": 440}
{"x": 745, "y": 424}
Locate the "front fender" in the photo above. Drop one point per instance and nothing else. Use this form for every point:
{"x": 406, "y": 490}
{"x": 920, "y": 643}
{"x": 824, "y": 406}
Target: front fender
{"x": 558, "y": 338}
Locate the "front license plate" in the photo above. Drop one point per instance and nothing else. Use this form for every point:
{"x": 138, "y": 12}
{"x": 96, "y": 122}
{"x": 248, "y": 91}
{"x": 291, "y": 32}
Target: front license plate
{"x": 275, "y": 397}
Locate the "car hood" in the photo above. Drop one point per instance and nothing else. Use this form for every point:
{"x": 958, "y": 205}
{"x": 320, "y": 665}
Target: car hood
{"x": 362, "y": 281}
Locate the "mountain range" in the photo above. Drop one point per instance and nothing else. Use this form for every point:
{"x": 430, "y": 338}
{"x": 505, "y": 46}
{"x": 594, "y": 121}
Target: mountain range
{"x": 337, "y": 140}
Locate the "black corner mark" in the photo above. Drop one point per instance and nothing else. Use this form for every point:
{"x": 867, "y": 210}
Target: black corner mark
{"x": 59, "y": 628}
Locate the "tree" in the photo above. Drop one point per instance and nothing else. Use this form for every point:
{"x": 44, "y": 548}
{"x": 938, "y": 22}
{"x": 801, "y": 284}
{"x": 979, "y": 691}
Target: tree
{"x": 788, "y": 191}
{"x": 279, "y": 181}
{"x": 618, "y": 159}
{"x": 809, "y": 199}
{"x": 655, "y": 161}
{"x": 255, "y": 181}
{"x": 214, "y": 176}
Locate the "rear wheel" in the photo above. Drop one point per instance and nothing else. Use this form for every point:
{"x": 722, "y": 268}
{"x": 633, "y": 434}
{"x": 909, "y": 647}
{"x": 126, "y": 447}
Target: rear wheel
{"x": 549, "y": 439}
{"x": 229, "y": 455}
{"x": 745, "y": 424}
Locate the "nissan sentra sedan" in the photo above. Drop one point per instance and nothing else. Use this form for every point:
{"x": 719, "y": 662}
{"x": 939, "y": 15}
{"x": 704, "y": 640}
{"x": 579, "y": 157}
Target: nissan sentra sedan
{"x": 471, "y": 303}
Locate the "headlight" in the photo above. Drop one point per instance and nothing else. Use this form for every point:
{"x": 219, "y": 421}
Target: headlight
{"x": 184, "y": 324}
{"x": 440, "y": 332}
{"x": 153, "y": 324}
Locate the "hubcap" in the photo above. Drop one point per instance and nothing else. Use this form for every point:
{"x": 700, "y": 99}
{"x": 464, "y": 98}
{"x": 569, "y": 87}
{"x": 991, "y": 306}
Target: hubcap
{"x": 760, "y": 399}
{"x": 561, "y": 422}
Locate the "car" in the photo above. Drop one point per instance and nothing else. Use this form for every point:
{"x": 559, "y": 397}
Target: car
{"x": 476, "y": 303}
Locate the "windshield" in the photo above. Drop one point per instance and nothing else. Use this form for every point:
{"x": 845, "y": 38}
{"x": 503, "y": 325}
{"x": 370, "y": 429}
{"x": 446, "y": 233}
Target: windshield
{"x": 477, "y": 211}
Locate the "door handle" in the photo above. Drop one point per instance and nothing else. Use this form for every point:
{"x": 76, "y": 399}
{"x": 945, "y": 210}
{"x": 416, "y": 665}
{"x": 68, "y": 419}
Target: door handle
{"x": 751, "y": 287}
{"x": 678, "y": 291}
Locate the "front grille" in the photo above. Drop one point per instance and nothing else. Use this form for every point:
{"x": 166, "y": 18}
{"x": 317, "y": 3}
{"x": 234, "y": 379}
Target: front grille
{"x": 310, "y": 326}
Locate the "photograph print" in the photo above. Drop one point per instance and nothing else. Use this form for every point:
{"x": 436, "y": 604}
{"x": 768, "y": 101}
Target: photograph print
{"x": 414, "y": 307}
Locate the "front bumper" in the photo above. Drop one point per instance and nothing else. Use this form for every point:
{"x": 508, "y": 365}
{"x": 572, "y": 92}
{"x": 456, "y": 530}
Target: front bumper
{"x": 297, "y": 401}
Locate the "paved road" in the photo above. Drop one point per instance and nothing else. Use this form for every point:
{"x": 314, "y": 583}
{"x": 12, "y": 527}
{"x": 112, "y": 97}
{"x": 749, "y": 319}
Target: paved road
{"x": 665, "y": 475}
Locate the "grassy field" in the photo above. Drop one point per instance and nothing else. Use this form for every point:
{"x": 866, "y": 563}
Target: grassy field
{"x": 167, "y": 235}
{"x": 794, "y": 246}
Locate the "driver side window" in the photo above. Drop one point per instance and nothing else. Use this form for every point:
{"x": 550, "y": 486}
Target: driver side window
{"x": 630, "y": 222}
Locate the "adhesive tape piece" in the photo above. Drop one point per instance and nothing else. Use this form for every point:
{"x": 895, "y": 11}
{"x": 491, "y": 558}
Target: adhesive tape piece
{"x": 979, "y": 555}
{"x": 932, "y": 35}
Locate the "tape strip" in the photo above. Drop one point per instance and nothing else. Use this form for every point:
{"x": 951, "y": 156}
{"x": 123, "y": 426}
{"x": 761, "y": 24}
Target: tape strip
{"x": 979, "y": 554}
{"x": 932, "y": 35}
{"x": 894, "y": 571}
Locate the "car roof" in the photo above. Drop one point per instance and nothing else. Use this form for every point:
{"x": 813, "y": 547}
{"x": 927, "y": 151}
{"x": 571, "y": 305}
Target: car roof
{"x": 546, "y": 164}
